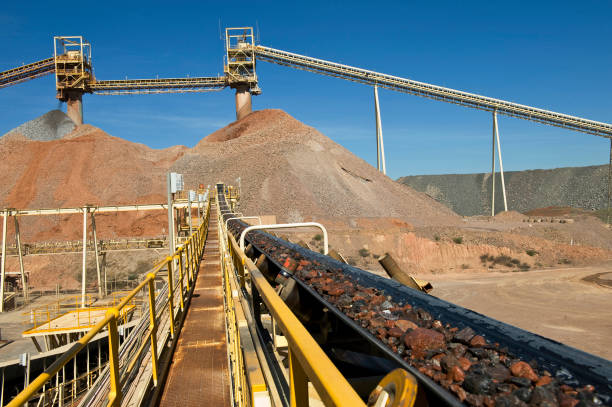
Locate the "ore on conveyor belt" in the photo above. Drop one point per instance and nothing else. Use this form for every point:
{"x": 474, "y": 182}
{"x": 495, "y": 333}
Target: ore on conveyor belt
{"x": 458, "y": 355}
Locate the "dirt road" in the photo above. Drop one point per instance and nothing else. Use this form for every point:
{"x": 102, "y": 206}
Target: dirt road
{"x": 555, "y": 303}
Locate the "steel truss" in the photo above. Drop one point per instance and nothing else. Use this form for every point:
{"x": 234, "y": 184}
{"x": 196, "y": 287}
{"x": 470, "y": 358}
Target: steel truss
{"x": 166, "y": 85}
{"x": 432, "y": 91}
{"x": 27, "y": 72}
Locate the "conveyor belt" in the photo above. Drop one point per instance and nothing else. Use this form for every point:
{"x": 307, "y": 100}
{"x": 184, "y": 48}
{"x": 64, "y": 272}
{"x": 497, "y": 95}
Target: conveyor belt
{"x": 568, "y": 365}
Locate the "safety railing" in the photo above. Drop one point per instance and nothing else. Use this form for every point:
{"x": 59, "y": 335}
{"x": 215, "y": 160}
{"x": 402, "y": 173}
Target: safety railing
{"x": 307, "y": 361}
{"x": 164, "y": 307}
{"x": 45, "y": 313}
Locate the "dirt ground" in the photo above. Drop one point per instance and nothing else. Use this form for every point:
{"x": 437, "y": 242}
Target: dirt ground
{"x": 555, "y": 303}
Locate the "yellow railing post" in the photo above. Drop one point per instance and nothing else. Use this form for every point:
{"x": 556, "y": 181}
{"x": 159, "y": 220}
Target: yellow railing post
{"x": 188, "y": 260}
{"x": 114, "y": 396}
{"x": 170, "y": 261}
{"x": 298, "y": 382}
{"x": 181, "y": 287}
{"x": 153, "y": 326}
{"x": 182, "y": 267}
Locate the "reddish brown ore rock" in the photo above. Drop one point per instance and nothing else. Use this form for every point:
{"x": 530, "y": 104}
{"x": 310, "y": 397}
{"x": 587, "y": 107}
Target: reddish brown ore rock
{"x": 522, "y": 369}
{"x": 335, "y": 291}
{"x": 478, "y": 341}
{"x": 304, "y": 263}
{"x": 544, "y": 380}
{"x": 458, "y": 390}
{"x": 422, "y": 339}
{"x": 395, "y": 332}
{"x": 377, "y": 323}
{"x": 489, "y": 402}
{"x": 377, "y": 300}
{"x": 311, "y": 274}
{"x": 566, "y": 400}
{"x": 358, "y": 298}
{"x": 465, "y": 363}
{"x": 290, "y": 264}
{"x": 456, "y": 374}
{"x": 405, "y": 325}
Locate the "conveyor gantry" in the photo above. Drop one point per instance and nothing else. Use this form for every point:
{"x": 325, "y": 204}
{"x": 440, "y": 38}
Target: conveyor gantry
{"x": 27, "y": 72}
{"x": 435, "y": 92}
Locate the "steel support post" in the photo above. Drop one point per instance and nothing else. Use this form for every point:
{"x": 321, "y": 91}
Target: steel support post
{"x": 84, "y": 270}
{"x": 170, "y": 217}
{"x": 380, "y": 146}
{"x": 24, "y": 284}
{"x": 609, "y": 182}
{"x": 3, "y": 270}
{"x": 190, "y": 219}
{"x": 95, "y": 239}
{"x": 501, "y": 165}
{"x": 493, "y": 171}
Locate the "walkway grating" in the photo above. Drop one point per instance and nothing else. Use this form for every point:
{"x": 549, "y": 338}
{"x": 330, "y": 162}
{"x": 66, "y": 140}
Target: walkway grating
{"x": 199, "y": 371}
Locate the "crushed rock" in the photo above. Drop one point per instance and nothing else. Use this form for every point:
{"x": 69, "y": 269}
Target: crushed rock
{"x": 53, "y": 125}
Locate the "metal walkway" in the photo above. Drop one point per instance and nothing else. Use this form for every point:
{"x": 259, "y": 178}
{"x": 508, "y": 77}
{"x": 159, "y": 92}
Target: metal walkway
{"x": 199, "y": 370}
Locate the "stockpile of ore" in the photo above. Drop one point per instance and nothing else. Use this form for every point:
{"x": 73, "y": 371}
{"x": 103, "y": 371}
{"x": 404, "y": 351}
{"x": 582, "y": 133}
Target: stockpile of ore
{"x": 478, "y": 372}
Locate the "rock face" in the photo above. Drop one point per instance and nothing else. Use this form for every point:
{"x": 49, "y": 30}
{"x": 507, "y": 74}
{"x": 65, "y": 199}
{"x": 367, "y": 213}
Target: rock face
{"x": 470, "y": 194}
{"x": 53, "y": 125}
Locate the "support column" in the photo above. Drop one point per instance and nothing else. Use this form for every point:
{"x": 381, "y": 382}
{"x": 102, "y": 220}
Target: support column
{"x": 24, "y": 283}
{"x": 170, "y": 217}
{"x": 84, "y": 270}
{"x": 243, "y": 102}
{"x": 3, "y": 266}
{"x": 493, "y": 170}
{"x": 74, "y": 107}
{"x": 609, "y": 182}
{"x": 95, "y": 239}
{"x": 501, "y": 165}
{"x": 380, "y": 146}
{"x": 189, "y": 209}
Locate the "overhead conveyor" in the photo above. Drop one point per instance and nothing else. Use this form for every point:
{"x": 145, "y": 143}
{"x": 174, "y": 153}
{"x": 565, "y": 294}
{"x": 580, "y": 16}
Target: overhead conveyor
{"x": 435, "y": 92}
{"x": 166, "y": 85}
{"x": 27, "y": 72}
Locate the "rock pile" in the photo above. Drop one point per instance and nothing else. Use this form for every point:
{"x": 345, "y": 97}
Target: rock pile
{"x": 470, "y": 194}
{"x": 53, "y": 125}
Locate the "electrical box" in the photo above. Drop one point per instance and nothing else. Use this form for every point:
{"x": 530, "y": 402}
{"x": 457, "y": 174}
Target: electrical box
{"x": 176, "y": 182}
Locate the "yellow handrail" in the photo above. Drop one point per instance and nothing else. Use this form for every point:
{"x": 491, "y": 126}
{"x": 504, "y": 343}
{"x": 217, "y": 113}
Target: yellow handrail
{"x": 194, "y": 247}
{"x": 307, "y": 361}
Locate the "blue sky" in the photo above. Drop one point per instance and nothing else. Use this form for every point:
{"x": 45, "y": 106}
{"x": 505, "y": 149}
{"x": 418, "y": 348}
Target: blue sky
{"x": 553, "y": 55}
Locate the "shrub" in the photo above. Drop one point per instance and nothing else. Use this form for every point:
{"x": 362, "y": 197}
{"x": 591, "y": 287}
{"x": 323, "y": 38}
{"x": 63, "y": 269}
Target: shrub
{"x": 524, "y": 267}
{"x": 465, "y": 266}
{"x": 484, "y": 258}
{"x": 531, "y": 252}
{"x": 363, "y": 252}
{"x": 458, "y": 239}
{"x": 437, "y": 238}
{"x": 565, "y": 261}
{"x": 318, "y": 237}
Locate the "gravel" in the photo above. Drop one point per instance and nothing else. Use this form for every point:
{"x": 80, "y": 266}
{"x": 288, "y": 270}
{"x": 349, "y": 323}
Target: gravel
{"x": 470, "y": 194}
{"x": 53, "y": 125}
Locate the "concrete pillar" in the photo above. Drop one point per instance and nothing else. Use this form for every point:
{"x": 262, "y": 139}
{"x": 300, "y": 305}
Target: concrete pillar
{"x": 74, "y": 107}
{"x": 243, "y": 102}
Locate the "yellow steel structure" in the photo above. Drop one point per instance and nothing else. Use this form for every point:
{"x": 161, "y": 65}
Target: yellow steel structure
{"x": 250, "y": 379}
{"x": 194, "y": 246}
